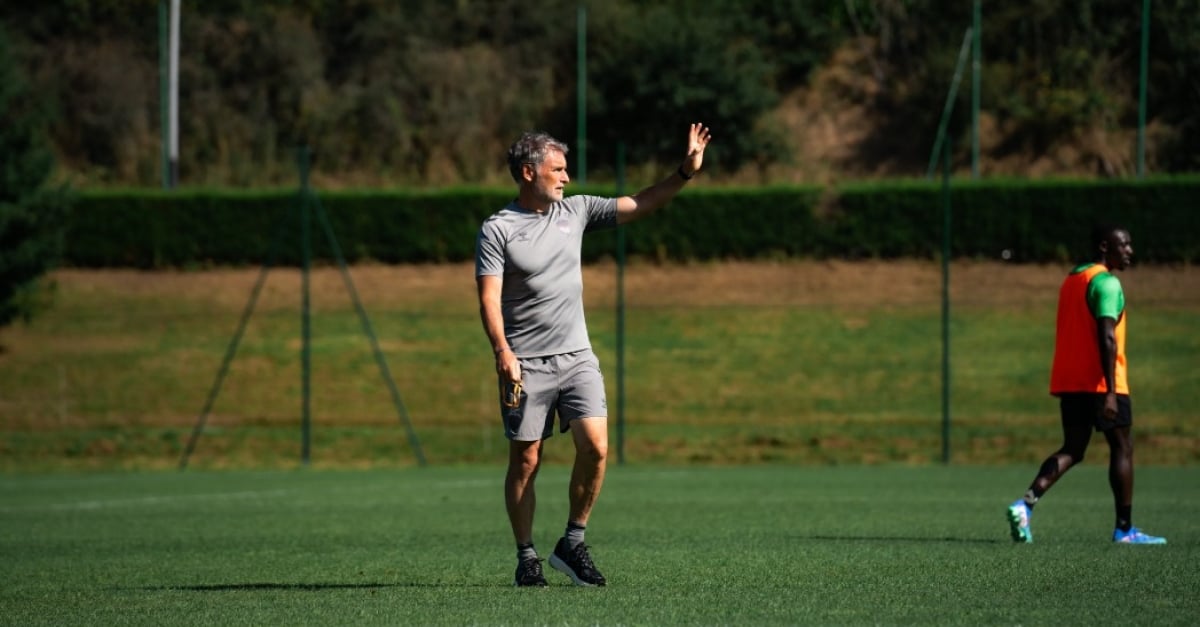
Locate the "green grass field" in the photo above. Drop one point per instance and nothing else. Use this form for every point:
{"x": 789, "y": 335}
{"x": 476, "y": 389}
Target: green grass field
{"x": 783, "y": 423}
{"x": 679, "y": 545}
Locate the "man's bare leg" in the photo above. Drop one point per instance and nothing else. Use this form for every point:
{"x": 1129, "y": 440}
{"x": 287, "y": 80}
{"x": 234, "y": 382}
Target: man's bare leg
{"x": 591, "y": 458}
{"x": 524, "y": 459}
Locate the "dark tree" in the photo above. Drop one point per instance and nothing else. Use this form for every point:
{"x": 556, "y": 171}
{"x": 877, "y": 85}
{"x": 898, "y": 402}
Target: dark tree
{"x": 31, "y": 215}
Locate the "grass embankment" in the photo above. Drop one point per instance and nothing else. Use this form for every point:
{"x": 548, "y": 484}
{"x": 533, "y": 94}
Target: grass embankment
{"x": 803, "y": 362}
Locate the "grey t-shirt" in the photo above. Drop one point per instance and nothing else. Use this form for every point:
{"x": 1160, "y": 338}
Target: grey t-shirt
{"x": 537, "y": 255}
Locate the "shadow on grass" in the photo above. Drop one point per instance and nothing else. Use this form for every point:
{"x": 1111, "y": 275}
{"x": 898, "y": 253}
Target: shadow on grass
{"x": 310, "y": 587}
{"x": 914, "y": 539}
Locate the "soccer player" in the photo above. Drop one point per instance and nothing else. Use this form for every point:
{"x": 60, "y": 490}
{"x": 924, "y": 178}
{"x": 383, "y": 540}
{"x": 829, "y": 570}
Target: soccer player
{"x": 530, "y": 284}
{"x": 1089, "y": 378}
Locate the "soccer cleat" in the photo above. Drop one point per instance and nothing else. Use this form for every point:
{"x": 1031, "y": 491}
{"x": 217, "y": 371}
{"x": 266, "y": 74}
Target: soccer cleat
{"x": 1135, "y": 536}
{"x": 529, "y": 574}
{"x": 1018, "y": 521}
{"x": 576, "y": 563}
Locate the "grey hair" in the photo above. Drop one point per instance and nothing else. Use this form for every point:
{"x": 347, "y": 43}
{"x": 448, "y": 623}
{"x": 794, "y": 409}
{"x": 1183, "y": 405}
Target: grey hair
{"x": 532, "y": 148}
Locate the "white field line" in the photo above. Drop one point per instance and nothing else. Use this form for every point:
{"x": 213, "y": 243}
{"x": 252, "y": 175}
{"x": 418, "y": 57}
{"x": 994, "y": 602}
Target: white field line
{"x": 144, "y": 500}
{"x": 97, "y": 504}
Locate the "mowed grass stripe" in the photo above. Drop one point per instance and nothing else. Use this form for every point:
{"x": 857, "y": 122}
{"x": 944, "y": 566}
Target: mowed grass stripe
{"x": 695, "y": 545}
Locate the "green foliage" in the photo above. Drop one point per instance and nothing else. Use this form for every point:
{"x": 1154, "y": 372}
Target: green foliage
{"x": 431, "y": 92}
{"x": 1061, "y": 72}
{"x": 188, "y": 228}
{"x": 796, "y": 35}
{"x": 1174, "y": 77}
{"x": 722, "y": 224}
{"x": 161, "y": 229}
{"x": 662, "y": 66}
{"x": 1035, "y": 221}
{"x": 31, "y": 217}
{"x": 1057, "y": 75}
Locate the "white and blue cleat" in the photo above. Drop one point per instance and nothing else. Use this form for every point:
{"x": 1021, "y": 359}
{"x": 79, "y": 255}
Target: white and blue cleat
{"x": 1018, "y": 521}
{"x": 1136, "y": 536}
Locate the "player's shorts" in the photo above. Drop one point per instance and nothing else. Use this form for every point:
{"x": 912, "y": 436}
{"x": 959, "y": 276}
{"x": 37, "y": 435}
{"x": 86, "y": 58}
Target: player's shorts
{"x": 1088, "y": 408}
{"x": 569, "y": 385}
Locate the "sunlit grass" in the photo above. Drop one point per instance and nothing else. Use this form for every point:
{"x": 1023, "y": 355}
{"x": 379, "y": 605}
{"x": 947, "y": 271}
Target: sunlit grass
{"x": 758, "y": 368}
{"x": 679, "y": 545}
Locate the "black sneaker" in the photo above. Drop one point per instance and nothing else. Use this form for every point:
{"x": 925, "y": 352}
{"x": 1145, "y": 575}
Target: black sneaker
{"x": 529, "y": 574}
{"x": 576, "y": 563}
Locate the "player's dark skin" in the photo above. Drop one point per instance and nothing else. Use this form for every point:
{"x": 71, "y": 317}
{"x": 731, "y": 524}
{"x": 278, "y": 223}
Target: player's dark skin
{"x": 1115, "y": 253}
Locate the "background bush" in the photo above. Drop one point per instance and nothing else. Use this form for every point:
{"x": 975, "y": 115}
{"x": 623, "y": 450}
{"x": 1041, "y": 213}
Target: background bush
{"x": 1033, "y": 221}
{"x": 430, "y": 92}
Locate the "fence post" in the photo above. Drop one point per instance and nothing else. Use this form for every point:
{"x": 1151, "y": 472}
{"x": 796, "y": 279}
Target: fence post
{"x": 946, "y": 249}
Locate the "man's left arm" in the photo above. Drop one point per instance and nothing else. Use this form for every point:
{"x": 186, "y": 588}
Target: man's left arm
{"x": 643, "y": 203}
{"x": 1107, "y": 302}
{"x": 1106, "y": 330}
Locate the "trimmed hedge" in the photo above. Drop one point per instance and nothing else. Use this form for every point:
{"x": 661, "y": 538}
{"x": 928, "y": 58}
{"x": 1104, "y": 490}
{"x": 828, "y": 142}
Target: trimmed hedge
{"x": 1035, "y": 221}
{"x": 151, "y": 229}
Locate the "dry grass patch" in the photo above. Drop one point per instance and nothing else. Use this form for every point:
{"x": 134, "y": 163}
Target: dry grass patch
{"x": 792, "y": 361}
{"x": 783, "y": 283}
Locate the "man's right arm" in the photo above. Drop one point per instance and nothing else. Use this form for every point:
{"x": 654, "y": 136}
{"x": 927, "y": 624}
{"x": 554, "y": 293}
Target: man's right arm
{"x": 489, "y": 287}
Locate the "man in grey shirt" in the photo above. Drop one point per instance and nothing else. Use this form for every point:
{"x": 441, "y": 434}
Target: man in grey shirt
{"x": 530, "y": 282}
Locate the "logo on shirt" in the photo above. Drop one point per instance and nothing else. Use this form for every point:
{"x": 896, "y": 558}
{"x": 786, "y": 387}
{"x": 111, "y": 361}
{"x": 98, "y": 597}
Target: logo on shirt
{"x": 563, "y": 225}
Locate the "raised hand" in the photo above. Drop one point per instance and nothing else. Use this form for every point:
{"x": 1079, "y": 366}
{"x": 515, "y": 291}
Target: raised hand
{"x": 698, "y": 138}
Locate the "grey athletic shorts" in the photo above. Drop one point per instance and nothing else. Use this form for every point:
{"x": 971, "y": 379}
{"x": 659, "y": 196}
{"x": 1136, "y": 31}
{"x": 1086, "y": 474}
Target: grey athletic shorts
{"x": 570, "y": 385}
